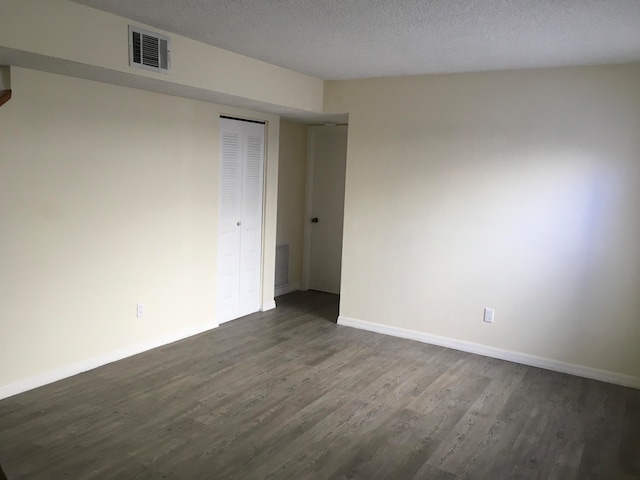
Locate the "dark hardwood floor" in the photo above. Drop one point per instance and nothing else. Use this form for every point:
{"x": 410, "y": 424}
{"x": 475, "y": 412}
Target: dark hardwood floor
{"x": 288, "y": 394}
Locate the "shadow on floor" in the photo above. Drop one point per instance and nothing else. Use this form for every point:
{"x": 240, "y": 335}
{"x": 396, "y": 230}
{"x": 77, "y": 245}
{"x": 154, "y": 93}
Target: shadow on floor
{"x": 322, "y": 304}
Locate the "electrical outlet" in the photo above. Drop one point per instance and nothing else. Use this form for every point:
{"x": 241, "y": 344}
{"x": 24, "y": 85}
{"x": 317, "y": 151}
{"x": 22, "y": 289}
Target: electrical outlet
{"x": 488, "y": 315}
{"x": 139, "y": 310}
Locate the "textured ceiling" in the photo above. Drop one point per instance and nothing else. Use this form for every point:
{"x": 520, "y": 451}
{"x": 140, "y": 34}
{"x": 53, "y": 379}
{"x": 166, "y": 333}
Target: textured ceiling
{"x": 339, "y": 39}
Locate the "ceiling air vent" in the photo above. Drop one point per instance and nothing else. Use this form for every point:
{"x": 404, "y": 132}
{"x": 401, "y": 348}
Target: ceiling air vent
{"x": 149, "y": 50}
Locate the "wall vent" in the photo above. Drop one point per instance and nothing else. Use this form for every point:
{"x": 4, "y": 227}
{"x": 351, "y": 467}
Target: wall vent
{"x": 149, "y": 50}
{"x": 282, "y": 265}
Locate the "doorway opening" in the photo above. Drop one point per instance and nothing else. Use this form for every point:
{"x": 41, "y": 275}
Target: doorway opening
{"x": 326, "y": 172}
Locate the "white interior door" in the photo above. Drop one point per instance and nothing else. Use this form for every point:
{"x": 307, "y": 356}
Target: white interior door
{"x": 240, "y": 218}
{"x": 328, "y": 156}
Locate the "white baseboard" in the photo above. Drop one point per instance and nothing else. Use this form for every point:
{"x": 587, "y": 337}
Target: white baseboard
{"x": 51, "y": 376}
{"x": 511, "y": 356}
{"x": 268, "y": 306}
{"x": 286, "y": 289}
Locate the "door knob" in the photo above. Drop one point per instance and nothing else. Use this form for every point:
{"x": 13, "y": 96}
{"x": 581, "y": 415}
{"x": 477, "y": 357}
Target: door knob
{"x": 314, "y": 220}
{"x": 239, "y": 223}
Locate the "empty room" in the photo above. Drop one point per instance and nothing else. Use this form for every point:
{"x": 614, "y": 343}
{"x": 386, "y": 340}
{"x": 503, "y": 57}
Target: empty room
{"x": 319, "y": 239}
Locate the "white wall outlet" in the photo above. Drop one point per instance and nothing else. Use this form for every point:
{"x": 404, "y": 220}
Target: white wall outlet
{"x": 139, "y": 310}
{"x": 488, "y": 315}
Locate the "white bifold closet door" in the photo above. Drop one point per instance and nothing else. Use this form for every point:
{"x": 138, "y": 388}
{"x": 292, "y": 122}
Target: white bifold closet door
{"x": 240, "y": 218}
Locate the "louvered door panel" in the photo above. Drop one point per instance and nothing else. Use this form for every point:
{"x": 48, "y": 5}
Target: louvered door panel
{"x": 230, "y": 213}
{"x": 251, "y": 248}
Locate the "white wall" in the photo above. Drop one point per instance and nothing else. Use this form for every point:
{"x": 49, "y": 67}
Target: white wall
{"x": 513, "y": 190}
{"x": 108, "y": 196}
{"x": 291, "y": 195}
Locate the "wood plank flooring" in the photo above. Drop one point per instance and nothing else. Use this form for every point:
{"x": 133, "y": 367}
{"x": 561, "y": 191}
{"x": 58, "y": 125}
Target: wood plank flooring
{"x": 288, "y": 394}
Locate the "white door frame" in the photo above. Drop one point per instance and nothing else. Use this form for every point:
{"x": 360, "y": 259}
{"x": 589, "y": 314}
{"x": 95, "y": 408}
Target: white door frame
{"x": 308, "y": 201}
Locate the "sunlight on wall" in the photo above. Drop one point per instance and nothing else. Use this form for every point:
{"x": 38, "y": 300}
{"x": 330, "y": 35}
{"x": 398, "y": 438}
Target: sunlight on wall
{"x": 512, "y": 190}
